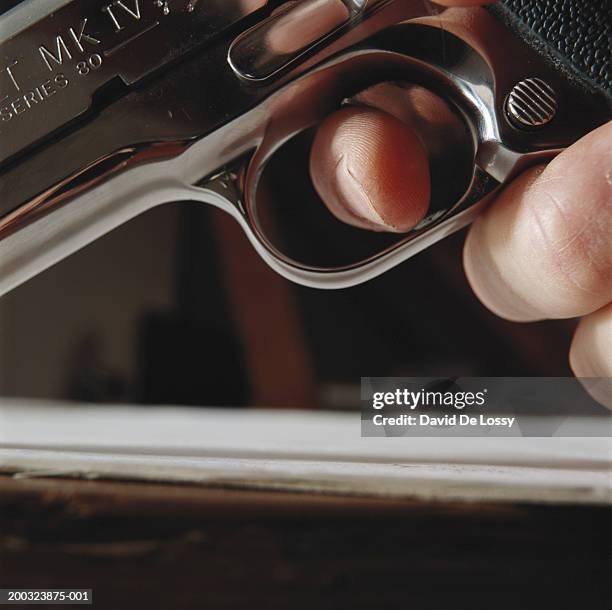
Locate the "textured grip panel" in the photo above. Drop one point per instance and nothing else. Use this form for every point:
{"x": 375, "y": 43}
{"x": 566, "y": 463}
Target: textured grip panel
{"x": 574, "y": 34}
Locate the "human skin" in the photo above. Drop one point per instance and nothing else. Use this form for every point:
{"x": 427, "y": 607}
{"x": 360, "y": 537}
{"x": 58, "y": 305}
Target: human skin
{"x": 542, "y": 249}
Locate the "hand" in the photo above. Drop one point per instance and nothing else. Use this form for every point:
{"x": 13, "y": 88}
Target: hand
{"x": 543, "y": 249}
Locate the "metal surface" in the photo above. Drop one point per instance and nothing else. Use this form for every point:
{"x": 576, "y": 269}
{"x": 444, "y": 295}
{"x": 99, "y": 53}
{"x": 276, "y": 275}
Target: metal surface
{"x": 532, "y": 103}
{"x": 51, "y": 70}
{"x": 274, "y": 44}
{"x": 174, "y": 122}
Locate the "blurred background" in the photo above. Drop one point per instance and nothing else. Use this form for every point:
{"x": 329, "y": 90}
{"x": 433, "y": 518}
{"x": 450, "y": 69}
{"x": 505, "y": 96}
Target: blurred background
{"x": 176, "y": 308}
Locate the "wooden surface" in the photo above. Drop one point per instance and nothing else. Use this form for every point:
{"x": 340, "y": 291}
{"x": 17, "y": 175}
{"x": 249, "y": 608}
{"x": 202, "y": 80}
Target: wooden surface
{"x": 178, "y": 546}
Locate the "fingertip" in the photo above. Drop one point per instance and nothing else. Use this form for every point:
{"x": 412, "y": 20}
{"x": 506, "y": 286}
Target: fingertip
{"x": 591, "y": 353}
{"x": 371, "y": 170}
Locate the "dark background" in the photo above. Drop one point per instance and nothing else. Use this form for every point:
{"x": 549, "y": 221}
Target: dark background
{"x": 176, "y": 307}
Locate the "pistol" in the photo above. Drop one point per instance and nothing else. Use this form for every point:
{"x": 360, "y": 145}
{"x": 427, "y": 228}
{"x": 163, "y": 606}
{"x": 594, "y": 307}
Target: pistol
{"x": 111, "y": 107}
